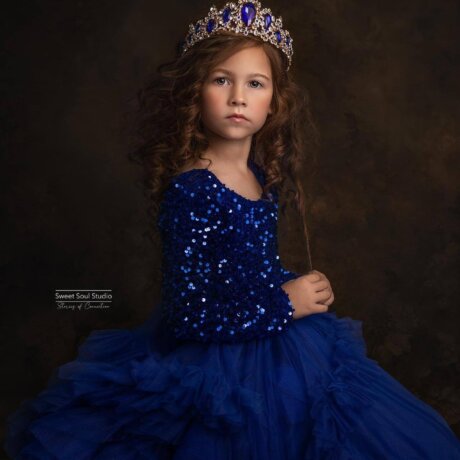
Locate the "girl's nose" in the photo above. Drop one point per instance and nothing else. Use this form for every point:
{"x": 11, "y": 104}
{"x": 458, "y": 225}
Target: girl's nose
{"x": 237, "y": 96}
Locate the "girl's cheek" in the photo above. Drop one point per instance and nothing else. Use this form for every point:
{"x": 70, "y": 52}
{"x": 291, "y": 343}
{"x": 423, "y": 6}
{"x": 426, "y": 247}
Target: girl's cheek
{"x": 213, "y": 98}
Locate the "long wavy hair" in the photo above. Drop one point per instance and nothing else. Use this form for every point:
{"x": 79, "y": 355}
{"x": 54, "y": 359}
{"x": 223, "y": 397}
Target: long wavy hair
{"x": 168, "y": 131}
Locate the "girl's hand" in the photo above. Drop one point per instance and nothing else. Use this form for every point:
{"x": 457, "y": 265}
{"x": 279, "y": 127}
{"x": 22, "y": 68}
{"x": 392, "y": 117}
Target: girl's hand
{"x": 309, "y": 294}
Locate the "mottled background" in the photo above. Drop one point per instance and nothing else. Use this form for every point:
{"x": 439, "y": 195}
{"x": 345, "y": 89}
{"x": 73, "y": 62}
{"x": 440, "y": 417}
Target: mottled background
{"x": 384, "y": 224}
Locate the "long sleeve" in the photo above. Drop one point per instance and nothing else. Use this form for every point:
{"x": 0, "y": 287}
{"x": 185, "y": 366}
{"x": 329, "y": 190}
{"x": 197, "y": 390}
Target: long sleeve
{"x": 287, "y": 275}
{"x": 212, "y": 288}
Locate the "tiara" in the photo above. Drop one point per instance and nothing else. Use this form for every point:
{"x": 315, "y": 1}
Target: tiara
{"x": 243, "y": 18}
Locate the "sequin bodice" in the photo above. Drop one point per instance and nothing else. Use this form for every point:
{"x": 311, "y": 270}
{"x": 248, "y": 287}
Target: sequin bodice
{"x": 222, "y": 274}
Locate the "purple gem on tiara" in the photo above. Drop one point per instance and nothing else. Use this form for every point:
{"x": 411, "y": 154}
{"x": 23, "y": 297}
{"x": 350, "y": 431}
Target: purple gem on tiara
{"x": 197, "y": 27}
{"x": 268, "y": 20}
{"x": 278, "y": 35}
{"x": 288, "y": 41}
{"x": 248, "y": 13}
{"x": 210, "y": 26}
{"x": 226, "y": 15}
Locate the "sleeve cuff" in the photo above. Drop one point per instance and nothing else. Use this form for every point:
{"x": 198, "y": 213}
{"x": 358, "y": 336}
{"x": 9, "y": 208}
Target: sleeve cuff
{"x": 283, "y": 310}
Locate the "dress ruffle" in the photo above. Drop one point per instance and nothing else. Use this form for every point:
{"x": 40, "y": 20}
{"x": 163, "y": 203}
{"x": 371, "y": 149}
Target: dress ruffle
{"x": 116, "y": 389}
{"x": 310, "y": 393}
{"x": 340, "y": 395}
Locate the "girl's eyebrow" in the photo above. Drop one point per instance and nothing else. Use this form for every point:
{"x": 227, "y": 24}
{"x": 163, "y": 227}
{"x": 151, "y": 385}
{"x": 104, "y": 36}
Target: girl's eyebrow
{"x": 228, "y": 72}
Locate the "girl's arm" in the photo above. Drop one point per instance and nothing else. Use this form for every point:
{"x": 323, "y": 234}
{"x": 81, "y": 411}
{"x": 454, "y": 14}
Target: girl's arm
{"x": 208, "y": 291}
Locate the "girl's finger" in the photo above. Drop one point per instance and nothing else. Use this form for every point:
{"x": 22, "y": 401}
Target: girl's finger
{"x": 324, "y": 295}
{"x": 320, "y": 286}
{"x": 314, "y": 277}
{"x": 321, "y": 308}
{"x": 330, "y": 300}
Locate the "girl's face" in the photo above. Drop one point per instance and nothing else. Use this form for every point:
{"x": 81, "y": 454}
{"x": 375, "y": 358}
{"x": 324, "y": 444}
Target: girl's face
{"x": 241, "y": 84}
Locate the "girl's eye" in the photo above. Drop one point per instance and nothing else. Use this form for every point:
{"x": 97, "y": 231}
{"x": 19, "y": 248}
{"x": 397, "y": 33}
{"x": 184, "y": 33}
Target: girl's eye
{"x": 219, "y": 79}
{"x": 258, "y": 83}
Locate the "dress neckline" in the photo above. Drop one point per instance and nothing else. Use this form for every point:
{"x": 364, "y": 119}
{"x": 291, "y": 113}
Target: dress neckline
{"x": 254, "y": 168}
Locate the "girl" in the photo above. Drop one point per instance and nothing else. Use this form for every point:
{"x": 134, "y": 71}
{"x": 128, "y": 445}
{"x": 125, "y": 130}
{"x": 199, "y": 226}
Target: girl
{"x": 242, "y": 359}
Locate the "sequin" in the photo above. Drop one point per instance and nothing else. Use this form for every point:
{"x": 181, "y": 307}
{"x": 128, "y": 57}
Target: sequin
{"x": 222, "y": 274}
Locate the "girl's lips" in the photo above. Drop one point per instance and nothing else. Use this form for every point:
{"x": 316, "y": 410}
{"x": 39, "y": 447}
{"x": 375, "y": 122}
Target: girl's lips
{"x": 237, "y": 119}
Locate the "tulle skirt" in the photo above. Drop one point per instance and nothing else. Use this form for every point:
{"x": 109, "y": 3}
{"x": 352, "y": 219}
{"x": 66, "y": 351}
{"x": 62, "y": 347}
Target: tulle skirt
{"x": 309, "y": 393}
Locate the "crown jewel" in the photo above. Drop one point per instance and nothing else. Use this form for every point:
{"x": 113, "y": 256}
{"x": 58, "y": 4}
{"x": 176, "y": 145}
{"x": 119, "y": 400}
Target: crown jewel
{"x": 242, "y": 18}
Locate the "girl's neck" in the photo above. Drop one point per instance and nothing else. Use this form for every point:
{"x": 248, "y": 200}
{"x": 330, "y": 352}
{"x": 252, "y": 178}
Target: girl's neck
{"x": 227, "y": 154}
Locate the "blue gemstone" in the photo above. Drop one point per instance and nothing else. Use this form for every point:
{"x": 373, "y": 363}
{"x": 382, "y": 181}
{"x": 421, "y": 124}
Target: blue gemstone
{"x": 210, "y": 26}
{"x": 226, "y": 15}
{"x": 278, "y": 35}
{"x": 197, "y": 27}
{"x": 248, "y": 13}
{"x": 268, "y": 21}
{"x": 288, "y": 40}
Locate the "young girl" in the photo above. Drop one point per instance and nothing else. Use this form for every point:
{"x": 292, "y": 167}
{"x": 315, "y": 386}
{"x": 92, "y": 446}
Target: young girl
{"x": 242, "y": 359}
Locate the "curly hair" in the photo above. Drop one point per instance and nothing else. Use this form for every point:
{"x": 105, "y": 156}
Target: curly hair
{"x": 168, "y": 131}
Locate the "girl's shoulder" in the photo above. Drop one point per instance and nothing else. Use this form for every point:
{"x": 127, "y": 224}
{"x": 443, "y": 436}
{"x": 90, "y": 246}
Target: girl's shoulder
{"x": 187, "y": 182}
{"x": 187, "y": 191}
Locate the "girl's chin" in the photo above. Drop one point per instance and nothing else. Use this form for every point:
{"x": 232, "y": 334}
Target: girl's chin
{"x": 232, "y": 134}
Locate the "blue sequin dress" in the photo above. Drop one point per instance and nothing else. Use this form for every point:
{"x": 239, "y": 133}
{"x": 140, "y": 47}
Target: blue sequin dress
{"x": 221, "y": 370}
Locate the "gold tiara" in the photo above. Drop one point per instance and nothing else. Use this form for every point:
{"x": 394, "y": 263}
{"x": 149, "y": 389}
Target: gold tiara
{"x": 242, "y": 18}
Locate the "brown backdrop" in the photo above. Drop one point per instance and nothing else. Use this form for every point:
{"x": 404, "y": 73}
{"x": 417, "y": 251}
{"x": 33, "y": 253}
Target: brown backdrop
{"x": 384, "y": 225}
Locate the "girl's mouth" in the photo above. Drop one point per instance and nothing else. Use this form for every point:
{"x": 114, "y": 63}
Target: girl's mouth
{"x": 237, "y": 119}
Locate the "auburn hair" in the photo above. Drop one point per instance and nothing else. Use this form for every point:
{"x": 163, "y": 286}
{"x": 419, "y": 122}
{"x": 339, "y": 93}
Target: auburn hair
{"x": 168, "y": 131}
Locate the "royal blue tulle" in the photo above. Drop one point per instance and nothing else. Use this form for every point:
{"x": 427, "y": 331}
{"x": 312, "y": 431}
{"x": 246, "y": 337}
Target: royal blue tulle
{"x": 221, "y": 370}
{"x": 310, "y": 393}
